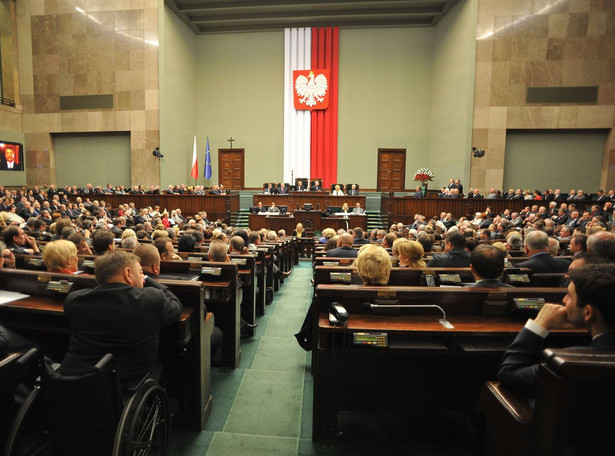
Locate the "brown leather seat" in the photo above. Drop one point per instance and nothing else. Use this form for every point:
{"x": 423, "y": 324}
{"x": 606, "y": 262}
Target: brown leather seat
{"x": 574, "y": 412}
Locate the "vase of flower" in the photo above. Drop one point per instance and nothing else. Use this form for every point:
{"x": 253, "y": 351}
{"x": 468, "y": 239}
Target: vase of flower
{"x": 423, "y": 175}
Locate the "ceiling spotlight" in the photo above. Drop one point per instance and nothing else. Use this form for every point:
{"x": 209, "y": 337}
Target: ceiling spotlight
{"x": 478, "y": 153}
{"x": 156, "y": 153}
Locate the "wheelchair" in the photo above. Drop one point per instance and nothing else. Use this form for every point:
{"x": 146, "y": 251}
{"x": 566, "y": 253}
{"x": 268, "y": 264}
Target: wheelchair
{"x": 17, "y": 375}
{"x": 77, "y": 415}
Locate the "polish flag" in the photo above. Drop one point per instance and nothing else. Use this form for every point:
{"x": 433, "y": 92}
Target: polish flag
{"x": 195, "y": 162}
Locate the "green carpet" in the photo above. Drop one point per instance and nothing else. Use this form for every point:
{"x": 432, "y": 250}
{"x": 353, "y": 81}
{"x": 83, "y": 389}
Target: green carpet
{"x": 267, "y": 403}
{"x": 227, "y": 444}
{"x": 280, "y": 354}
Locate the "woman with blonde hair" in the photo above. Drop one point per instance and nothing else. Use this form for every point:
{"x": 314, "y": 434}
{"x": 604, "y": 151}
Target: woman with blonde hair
{"x": 373, "y": 265}
{"x": 410, "y": 254}
{"x": 327, "y": 233}
{"x": 299, "y": 230}
{"x": 61, "y": 256}
{"x": 128, "y": 232}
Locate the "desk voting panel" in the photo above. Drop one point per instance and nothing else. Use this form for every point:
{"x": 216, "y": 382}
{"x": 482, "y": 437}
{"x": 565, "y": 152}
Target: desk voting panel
{"x": 408, "y": 360}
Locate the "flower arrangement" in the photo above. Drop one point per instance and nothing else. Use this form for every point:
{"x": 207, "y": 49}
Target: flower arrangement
{"x": 423, "y": 175}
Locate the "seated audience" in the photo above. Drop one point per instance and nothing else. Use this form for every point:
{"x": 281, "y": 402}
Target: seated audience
{"x": 17, "y": 241}
{"x": 487, "y": 265}
{"x": 455, "y": 255}
{"x": 410, "y": 254}
{"x": 103, "y": 241}
{"x": 186, "y": 243}
{"x": 537, "y": 251}
{"x": 149, "y": 258}
{"x": 120, "y": 317}
{"x": 589, "y": 304}
{"x": 61, "y": 256}
{"x": 165, "y": 248}
{"x": 373, "y": 265}
{"x": 218, "y": 252}
{"x": 344, "y": 247}
{"x": 299, "y": 230}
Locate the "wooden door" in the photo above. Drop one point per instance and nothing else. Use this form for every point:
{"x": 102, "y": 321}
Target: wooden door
{"x": 391, "y": 170}
{"x": 231, "y": 168}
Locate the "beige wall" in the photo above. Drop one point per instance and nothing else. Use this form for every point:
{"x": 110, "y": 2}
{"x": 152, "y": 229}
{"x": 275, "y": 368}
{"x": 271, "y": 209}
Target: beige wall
{"x": 240, "y": 80}
{"x": 110, "y": 48}
{"x": 398, "y": 88}
{"x": 384, "y": 100}
{"x": 452, "y": 93}
{"x": 540, "y": 43}
{"x": 178, "y": 104}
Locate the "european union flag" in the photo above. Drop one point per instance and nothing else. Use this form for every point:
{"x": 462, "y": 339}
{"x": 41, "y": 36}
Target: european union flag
{"x": 207, "y": 162}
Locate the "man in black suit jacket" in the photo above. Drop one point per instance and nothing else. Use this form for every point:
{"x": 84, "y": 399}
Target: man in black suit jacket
{"x": 120, "y": 317}
{"x": 344, "y": 248}
{"x": 316, "y": 187}
{"x": 590, "y": 304}
{"x": 487, "y": 265}
{"x": 354, "y": 191}
{"x": 537, "y": 250}
{"x": 455, "y": 255}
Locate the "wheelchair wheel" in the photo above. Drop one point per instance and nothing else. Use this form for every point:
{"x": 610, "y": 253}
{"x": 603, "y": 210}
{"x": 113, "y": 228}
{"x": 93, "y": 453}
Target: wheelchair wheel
{"x": 145, "y": 425}
{"x": 26, "y": 436}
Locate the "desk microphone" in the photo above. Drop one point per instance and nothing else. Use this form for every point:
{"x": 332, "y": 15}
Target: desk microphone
{"x": 443, "y": 321}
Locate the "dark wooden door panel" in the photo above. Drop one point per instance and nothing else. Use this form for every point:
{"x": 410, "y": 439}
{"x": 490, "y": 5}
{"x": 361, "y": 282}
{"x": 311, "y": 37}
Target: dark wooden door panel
{"x": 391, "y": 170}
{"x": 231, "y": 170}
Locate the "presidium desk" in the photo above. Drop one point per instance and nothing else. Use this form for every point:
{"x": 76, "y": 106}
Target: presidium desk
{"x": 311, "y": 220}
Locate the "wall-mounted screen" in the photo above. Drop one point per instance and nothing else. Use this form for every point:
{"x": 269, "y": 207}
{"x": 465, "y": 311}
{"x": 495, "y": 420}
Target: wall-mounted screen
{"x": 11, "y": 156}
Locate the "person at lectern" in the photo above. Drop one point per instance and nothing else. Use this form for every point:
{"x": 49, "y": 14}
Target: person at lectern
{"x": 316, "y": 187}
{"x": 273, "y": 208}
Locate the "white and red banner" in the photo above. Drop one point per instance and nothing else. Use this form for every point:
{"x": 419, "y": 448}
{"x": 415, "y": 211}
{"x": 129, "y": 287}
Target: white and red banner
{"x": 310, "y": 103}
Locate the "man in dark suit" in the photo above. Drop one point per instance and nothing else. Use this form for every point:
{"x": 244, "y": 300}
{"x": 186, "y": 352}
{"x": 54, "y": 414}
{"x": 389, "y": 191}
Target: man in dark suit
{"x": 487, "y": 265}
{"x": 354, "y": 191}
{"x": 602, "y": 198}
{"x": 589, "y": 304}
{"x": 120, "y": 317}
{"x": 283, "y": 189}
{"x": 8, "y": 161}
{"x": 455, "y": 255}
{"x": 539, "y": 259}
{"x": 316, "y": 187}
{"x": 344, "y": 248}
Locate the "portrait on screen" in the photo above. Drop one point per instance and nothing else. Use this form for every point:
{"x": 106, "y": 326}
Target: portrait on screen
{"x": 11, "y": 156}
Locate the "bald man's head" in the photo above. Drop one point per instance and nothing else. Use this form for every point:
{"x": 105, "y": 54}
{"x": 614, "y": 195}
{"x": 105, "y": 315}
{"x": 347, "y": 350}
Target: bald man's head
{"x": 345, "y": 240}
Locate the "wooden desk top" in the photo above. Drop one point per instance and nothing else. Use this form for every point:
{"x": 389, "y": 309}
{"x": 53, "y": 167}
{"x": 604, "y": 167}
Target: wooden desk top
{"x": 41, "y": 305}
{"x": 423, "y": 324}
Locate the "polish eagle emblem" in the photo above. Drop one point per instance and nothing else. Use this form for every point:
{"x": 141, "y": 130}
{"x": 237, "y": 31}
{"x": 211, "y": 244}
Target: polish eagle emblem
{"x": 311, "y": 89}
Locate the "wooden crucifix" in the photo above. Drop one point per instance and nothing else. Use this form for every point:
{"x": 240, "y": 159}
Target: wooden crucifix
{"x": 231, "y": 141}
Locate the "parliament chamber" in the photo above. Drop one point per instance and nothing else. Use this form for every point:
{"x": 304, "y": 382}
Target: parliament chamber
{"x": 194, "y": 105}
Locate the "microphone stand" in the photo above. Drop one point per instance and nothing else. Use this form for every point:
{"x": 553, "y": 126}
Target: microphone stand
{"x": 443, "y": 321}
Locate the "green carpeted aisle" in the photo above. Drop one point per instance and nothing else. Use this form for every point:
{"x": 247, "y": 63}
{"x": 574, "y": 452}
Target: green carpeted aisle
{"x": 264, "y": 407}
{"x": 258, "y": 407}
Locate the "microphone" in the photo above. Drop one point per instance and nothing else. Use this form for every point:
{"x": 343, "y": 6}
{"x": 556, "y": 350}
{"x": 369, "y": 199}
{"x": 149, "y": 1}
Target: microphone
{"x": 443, "y": 321}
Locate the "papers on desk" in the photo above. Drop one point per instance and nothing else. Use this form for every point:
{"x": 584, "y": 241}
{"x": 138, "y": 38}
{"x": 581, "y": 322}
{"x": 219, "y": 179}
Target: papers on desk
{"x": 269, "y": 213}
{"x": 10, "y": 296}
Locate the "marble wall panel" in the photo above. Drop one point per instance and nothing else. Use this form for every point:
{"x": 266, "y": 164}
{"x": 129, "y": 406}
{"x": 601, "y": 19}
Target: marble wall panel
{"x": 99, "y": 51}
{"x": 540, "y": 43}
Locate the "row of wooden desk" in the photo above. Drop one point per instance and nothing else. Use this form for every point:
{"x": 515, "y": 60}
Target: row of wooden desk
{"x": 425, "y": 367}
{"x": 185, "y": 348}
